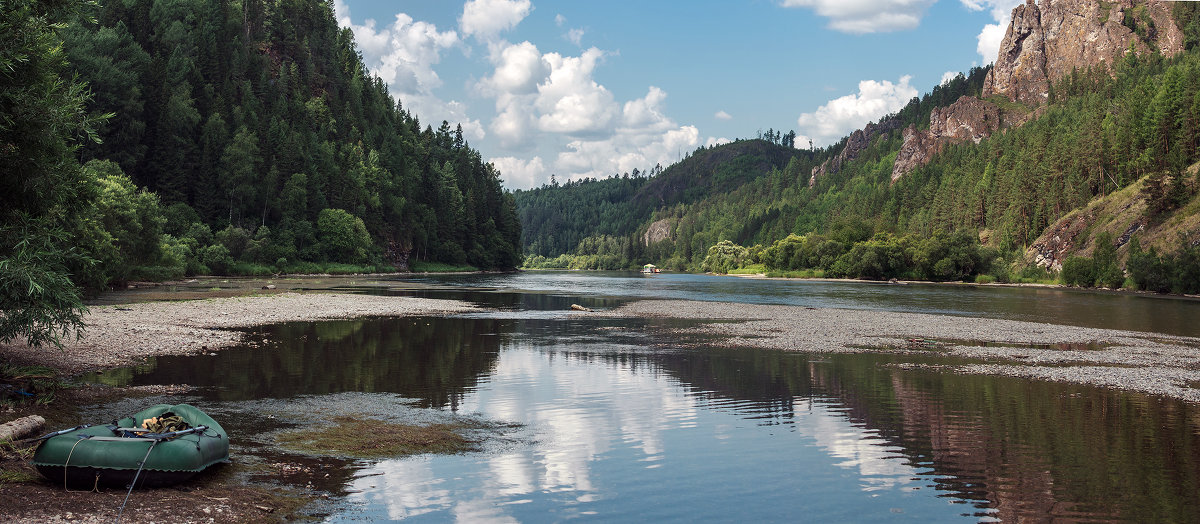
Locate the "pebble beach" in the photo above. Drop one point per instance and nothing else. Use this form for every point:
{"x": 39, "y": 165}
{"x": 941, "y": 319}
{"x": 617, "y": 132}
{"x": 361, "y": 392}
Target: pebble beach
{"x": 1136, "y": 361}
{"x": 120, "y": 335}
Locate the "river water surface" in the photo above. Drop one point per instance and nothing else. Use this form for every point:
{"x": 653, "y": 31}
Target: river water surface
{"x": 622, "y": 423}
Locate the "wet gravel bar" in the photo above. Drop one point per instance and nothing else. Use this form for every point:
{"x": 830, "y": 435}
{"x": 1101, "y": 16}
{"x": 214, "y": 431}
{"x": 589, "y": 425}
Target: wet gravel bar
{"x": 1146, "y": 362}
{"x": 121, "y": 335}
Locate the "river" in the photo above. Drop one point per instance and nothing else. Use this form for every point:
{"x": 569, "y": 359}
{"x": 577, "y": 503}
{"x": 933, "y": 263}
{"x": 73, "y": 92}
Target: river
{"x": 618, "y": 422}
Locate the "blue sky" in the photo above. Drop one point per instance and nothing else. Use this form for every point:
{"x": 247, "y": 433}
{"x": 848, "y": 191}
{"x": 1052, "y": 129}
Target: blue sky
{"x": 592, "y": 89}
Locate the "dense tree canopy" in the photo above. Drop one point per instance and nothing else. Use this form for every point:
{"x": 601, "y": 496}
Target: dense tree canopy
{"x": 260, "y": 114}
{"x": 148, "y": 139}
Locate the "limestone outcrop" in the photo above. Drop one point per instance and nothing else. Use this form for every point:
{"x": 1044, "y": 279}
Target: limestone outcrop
{"x": 855, "y": 144}
{"x": 1044, "y": 42}
{"x": 1050, "y": 39}
{"x": 969, "y": 118}
{"x": 658, "y": 231}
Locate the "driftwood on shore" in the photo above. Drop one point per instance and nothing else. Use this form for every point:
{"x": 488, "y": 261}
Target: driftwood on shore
{"x": 577, "y": 307}
{"x": 21, "y": 428}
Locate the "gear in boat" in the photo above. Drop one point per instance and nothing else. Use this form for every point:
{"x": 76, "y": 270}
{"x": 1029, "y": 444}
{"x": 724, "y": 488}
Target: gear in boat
{"x": 158, "y": 446}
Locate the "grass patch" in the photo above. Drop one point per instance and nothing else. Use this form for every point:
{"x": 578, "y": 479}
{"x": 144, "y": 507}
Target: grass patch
{"x": 753, "y": 269}
{"x": 12, "y": 476}
{"x": 438, "y": 267}
{"x": 805, "y": 273}
{"x": 331, "y": 268}
{"x": 23, "y": 385}
{"x": 985, "y": 279}
{"x": 371, "y": 438}
{"x": 250, "y": 269}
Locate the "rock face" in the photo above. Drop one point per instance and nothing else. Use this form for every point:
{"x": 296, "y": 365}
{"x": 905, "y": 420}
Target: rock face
{"x": 1048, "y": 40}
{"x": 855, "y": 144}
{"x": 658, "y": 231}
{"x": 967, "y": 119}
{"x": 1051, "y": 249}
{"x": 1043, "y": 43}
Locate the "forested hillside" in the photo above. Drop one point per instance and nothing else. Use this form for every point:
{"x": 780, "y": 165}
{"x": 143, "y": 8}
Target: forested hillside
{"x": 974, "y": 207}
{"x": 259, "y": 128}
{"x": 149, "y": 139}
{"x": 605, "y": 221}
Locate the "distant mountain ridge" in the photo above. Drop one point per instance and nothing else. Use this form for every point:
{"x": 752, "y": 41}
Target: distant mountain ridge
{"x": 1085, "y": 99}
{"x": 556, "y": 218}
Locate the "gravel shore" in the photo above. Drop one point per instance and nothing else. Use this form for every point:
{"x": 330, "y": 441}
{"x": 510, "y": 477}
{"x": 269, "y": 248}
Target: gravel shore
{"x": 121, "y": 335}
{"x": 1145, "y": 362}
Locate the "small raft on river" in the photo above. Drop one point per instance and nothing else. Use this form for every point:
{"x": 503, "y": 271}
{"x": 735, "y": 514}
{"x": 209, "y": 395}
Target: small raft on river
{"x": 159, "y": 446}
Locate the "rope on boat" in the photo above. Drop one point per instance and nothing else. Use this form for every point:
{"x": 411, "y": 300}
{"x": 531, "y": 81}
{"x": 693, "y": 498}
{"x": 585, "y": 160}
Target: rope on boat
{"x": 68, "y": 462}
{"x": 141, "y": 465}
{"x": 154, "y": 439}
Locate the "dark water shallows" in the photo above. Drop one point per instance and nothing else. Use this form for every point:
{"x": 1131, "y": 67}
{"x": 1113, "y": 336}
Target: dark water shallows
{"x": 624, "y": 426}
{"x": 1136, "y": 312}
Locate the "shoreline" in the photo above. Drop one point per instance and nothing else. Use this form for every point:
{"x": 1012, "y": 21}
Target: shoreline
{"x": 960, "y": 283}
{"x": 126, "y": 334}
{"x": 1151, "y": 363}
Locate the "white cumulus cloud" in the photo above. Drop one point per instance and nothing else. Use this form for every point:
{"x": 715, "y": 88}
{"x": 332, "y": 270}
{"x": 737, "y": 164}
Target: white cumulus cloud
{"x": 721, "y": 115}
{"x": 867, "y": 16}
{"x": 575, "y": 36}
{"x": 486, "y": 19}
{"x": 948, "y": 76}
{"x": 645, "y": 137}
{"x": 570, "y": 101}
{"x": 548, "y": 101}
{"x": 519, "y": 173}
{"x": 841, "y": 116}
{"x": 992, "y": 34}
{"x": 403, "y": 54}
{"x": 519, "y": 68}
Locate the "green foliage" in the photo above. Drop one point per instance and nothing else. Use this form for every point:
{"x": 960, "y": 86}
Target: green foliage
{"x": 44, "y": 193}
{"x": 216, "y": 258}
{"x": 343, "y": 237}
{"x": 942, "y": 257}
{"x": 38, "y": 302}
{"x": 724, "y": 257}
{"x": 1106, "y": 265}
{"x": 1177, "y": 272}
{"x": 1078, "y": 272}
{"x": 1034, "y": 274}
{"x": 130, "y": 221}
{"x": 263, "y": 114}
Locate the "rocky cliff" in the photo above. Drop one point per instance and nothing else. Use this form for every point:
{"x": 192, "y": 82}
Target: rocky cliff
{"x": 658, "y": 231}
{"x": 1049, "y": 39}
{"x": 1044, "y": 42}
{"x": 967, "y": 119}
{"x": 855, "y": 144}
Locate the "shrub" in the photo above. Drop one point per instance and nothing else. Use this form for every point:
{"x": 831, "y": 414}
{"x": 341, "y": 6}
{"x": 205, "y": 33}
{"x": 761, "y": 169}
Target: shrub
{"x": 217, "y": 259}
{"x": 724, "y": 257}
{"x": 235, "y": 240}
{"x": 1106, "y": 269}
{"x": 343, "y": 237}
{"x": 1148, "y": 270}
{"x": 1078, "y": 272}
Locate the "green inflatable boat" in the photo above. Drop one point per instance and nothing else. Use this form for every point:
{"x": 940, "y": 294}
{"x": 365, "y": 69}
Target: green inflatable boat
{"x": 174, "y": 442}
